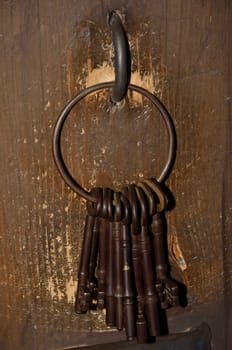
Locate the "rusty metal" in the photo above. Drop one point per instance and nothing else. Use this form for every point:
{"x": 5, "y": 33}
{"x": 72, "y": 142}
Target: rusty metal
{"x": 83, "y": 294}
{"x": 167, "y": 289}
{"x": 118, "y": 262}
{"x": 110, "y": 302}
{"x": 94, "y": 207}
{"x": 85, "y": 289}
{"x": 56, "y": 144}
{"x": 128, "y": 291}
{"x": 157, "y": 191}
{"x": 91, "y": 279}
{"x": 170, "y": 292}
{"x": 141, "y": 326}
{"x": 130, "y": 285}
{"x": 150, "y": 197}
{"x": 121, "y": 58}
{"x": 150, "y": 296}
{"x": 101, "y": 270}
{"x": 104, "y": 230}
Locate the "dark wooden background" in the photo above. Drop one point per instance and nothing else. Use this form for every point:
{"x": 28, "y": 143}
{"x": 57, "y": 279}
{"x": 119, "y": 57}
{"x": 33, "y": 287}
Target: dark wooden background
{"x": 51, "y": 50}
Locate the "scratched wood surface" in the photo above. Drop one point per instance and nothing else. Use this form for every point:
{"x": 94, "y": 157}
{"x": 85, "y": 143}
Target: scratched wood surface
{"x": 50, "y": 50}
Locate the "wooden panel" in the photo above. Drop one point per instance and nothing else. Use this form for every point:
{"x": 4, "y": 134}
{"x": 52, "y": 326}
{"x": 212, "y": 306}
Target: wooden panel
{"x": 53, "y": 49}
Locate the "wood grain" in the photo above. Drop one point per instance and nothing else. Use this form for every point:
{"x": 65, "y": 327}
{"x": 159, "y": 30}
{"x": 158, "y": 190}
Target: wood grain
{"x": 51, "y": 50}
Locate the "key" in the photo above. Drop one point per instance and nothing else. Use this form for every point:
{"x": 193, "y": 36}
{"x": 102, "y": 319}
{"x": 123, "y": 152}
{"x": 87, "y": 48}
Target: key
{"x": 128, "y": 293}
{"x": 83, "y": 294}
{"x": 152, "y": 211}
{"x": 104, "y": 228}
{"x": 92, "y": 282}
{"x": 117, "y": 266}
{"x": 170, "y": 288}
{"x": 91, "y": 279}
{"x": 83, "y": 297}
{"x": 166, "y": 288}
{"x": 150, "y": 296}
{"x": 110, "y": 302}
{"x": 141, "y": 326}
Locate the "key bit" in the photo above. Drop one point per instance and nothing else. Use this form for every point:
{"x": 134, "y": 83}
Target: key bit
{"x": 171, "y": 292}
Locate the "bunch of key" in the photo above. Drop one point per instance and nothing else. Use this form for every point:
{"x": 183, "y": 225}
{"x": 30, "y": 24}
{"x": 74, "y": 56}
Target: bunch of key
{"x": 123, "y": 264}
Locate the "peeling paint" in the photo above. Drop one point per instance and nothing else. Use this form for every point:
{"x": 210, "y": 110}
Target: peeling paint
{"x": 44, "y": 206}
{"x": 71, "y": 287}
{"x": 54, "y": 290}
{"x": 47, "y": 106}
{"x": 105, "y": 73}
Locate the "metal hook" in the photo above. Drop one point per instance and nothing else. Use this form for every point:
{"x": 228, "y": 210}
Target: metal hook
{"x": 122, "y": 58}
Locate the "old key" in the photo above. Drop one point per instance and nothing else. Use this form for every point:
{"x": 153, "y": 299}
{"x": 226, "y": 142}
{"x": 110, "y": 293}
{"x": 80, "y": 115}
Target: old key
{"x": 167, "y": 288}
{"x": 104, "y": 231}
{"x": 150, "y": 296}
{"x": 170, "y": 288}
{"x": 91, "y": 279}
{"x": 118, "y": 261}
{"x": 83, "y": 298}
{"x": 128, "y": 290}
{"x": 141, "y": 326}
{"x": 110, "y": 302}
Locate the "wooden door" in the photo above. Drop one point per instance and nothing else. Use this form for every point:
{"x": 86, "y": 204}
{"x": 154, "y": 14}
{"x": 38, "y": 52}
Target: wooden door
{"x": 50, "y": 50}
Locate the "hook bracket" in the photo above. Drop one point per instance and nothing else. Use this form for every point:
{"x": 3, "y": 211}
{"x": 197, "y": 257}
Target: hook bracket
{"x": 121, "y": 57}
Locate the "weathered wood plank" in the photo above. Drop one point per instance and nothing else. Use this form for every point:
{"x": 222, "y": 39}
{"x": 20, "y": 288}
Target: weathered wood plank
{"x": 51, "y": 50}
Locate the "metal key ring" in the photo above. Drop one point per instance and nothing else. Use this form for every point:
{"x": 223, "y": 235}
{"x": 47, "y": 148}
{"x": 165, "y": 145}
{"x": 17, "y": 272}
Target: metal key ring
{"x": 155, "y": 186}
{"x": 56, "y": 142}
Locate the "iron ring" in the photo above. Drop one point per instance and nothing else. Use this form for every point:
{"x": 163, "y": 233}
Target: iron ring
{"x": 56, "y": 141}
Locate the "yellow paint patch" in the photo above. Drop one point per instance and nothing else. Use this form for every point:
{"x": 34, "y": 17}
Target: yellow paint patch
{"x": 105, "y": 73}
